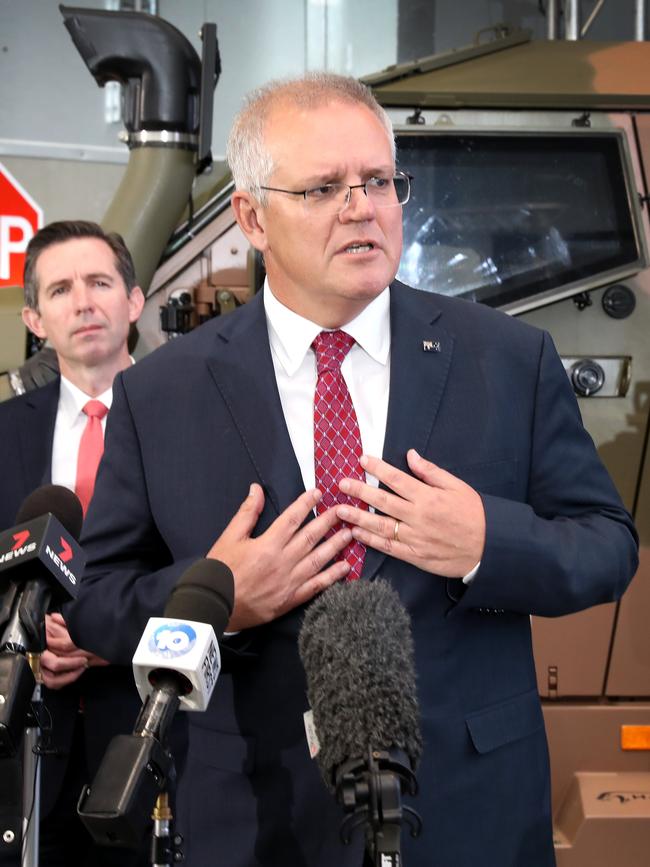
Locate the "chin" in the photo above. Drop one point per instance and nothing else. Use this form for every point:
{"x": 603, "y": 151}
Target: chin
{"x": 368, "y": 290}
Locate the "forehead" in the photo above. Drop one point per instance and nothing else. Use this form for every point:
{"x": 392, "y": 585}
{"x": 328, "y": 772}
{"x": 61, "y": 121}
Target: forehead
{"x": 334, "y": 136}
{"x": 75, "y": 257}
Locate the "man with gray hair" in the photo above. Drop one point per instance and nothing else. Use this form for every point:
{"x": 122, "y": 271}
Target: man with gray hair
{"x": 340, "y": 392}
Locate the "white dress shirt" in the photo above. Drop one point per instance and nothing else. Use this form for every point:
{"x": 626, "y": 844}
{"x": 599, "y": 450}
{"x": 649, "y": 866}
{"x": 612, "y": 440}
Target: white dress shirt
{"x": 366, "y": 370}
{"x": 68, "y": 428}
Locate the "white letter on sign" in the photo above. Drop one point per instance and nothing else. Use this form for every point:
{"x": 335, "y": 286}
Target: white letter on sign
{"x": 7, "y": 246}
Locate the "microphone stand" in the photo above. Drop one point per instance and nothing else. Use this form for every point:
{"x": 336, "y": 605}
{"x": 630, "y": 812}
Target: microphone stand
{"x": 32, "y": 772}
{"x": 134, "y": 774}
{"x": 371, "y": 790}
{"x": 165, "y": 846}
{"x": 23, "y": 640}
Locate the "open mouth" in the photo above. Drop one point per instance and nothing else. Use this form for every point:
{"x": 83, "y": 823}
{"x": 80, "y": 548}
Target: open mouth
{"x": 359, "y": 248}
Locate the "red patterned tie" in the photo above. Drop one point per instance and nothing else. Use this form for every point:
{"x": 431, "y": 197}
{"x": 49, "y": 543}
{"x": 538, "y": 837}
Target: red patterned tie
{"x": 337, "y": 441}
{"x": 91, "y": 448}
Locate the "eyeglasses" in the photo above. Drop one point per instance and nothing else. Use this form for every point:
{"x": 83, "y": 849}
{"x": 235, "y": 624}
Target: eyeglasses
{"x": 334, "y": 198}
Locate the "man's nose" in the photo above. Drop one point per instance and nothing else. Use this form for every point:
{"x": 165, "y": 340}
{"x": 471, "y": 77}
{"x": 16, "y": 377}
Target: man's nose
{"x": 82, "y": 296}
{"x": 360, "y": 207}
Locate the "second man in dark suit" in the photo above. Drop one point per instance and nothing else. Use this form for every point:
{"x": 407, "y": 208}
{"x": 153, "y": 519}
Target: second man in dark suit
{"x": 80, "y": 295}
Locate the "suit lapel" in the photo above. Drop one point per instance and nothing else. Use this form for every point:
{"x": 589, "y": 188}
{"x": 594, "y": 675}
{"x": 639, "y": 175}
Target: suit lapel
{"x": 242, "y": 369}
{"x": 421, "y": 353}
{"x": 38, "y": 432}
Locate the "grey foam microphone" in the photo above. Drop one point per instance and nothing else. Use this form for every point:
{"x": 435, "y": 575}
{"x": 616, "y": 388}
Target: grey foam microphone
{"x": 357, "y": 650}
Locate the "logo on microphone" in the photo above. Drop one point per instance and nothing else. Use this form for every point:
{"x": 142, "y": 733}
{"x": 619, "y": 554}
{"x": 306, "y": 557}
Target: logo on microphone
{"x": 20, "y": 538}
{"x": 172, "y": 639}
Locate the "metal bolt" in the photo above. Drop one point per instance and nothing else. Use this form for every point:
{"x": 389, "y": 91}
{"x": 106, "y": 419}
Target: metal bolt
{"x": 8, "y": 836}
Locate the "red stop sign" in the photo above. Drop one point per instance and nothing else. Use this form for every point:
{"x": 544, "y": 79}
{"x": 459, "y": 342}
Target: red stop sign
{"x": 20, "y": 218}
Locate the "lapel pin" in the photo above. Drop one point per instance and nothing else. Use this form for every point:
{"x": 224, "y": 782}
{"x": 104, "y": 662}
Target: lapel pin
{"x": 431, "y": 345}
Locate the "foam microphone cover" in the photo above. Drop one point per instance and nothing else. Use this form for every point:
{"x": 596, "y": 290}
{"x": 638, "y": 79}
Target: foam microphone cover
{"x": 60, "y": 501}
{"x": 356, "y": 647}
{"x": 205, "y": 593}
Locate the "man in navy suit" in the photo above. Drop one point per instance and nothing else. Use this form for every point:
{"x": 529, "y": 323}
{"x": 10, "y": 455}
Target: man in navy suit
{"x": 80, "y": 294}
{"x": 488, "y": 503}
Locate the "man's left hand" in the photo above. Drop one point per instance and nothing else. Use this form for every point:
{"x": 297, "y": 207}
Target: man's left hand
{"x": 434, "y": 521}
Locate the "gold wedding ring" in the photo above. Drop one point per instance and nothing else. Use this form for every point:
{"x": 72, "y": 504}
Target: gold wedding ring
{"x": 396, "y": 532}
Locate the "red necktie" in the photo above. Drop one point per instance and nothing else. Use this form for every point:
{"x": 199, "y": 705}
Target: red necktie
{"x": 91, "y": 448}
{"x": 337, "y": 441}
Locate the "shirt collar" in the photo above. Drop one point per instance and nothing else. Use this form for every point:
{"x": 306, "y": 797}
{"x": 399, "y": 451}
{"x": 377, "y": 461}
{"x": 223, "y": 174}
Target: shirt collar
{"x": 72, "y": 400}
{"x": 291, "y": 335}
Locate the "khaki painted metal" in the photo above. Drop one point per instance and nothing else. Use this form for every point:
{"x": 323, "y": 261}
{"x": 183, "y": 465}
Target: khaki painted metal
{"x": 149, "y": 202}
{"x": 555, "y": 75}
{"x": 12, "y": 330}
{"x": 13, "y": 337}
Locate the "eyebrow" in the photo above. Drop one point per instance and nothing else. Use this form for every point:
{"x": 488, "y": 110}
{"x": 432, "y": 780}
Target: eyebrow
{"x": 66, "y": 281}
{"x": 335, "y": 175}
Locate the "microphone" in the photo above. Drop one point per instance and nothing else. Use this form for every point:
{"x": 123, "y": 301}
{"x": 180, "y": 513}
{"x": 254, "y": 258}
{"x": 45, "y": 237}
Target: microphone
{"x": 40, "y": 564}
{"x": 356, "y": 647}
{"x": 176, "y": 664}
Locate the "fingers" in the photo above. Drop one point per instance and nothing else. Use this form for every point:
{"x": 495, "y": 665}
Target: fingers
{"x": 430, "y": 473}
{"x": 317, "y": 557}
{"x": 378, "y": 498}
{"x": 291, "y": 520}
{"x": 59, "y": 671}
{"x": 242, "y": 524}
{"x": 246, "y": 517}
{"x": 59, "y": 664}
{"x": 379, "y": 525}
{"x": 95, "y": 661}
{"x": 58, "y": 637}
{"x": 57, "y": 681}
{"x": 336, "y": 572}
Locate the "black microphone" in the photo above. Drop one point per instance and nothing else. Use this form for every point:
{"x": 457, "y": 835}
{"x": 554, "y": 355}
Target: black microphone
{"x": 356, "y": 647}
{"x": 176, "y": 664}
{"x": 40, "y": 564}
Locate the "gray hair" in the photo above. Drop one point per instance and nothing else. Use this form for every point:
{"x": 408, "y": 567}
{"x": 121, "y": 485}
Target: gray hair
{"x": 247, "y": 154}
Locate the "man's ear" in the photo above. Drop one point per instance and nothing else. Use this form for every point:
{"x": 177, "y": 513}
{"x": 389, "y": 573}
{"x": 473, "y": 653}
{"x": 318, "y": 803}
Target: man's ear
{"x": 250, "y": 217}
{"x": 136, "y": 303}
{"x": 32, "y": 319}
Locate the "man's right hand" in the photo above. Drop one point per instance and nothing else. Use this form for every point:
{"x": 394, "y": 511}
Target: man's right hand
{"x": 286, "y": 565}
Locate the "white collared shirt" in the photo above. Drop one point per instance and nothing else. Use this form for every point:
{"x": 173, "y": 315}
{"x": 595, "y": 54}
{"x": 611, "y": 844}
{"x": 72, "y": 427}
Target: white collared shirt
{"x": 68, "y": 428}
{"x": 366, "y": 370}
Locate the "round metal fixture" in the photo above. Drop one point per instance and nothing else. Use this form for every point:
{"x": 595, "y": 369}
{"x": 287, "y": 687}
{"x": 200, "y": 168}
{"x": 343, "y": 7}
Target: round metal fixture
{"x": 587, "y": 377}
{"x": 618, "y": 301}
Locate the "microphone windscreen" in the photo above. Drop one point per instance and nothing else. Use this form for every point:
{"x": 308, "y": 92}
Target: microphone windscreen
{"x": 60, "y": 501}
{"x": 356, "y": 647}
{"x": 205, "y": 593}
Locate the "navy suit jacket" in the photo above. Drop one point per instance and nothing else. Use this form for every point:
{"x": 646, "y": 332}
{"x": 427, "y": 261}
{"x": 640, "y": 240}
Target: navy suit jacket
{"x": 110, "y": 700}
{"x": 199, "y": 420}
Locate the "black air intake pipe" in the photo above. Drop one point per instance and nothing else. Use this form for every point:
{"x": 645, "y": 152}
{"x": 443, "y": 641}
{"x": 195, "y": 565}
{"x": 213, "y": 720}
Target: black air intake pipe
{"x": 159, "y": 68}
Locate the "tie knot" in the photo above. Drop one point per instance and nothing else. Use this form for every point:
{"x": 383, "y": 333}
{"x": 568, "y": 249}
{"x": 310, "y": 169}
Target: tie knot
{"x": 95, "y": 409}
{"x": 331, "y": 347}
